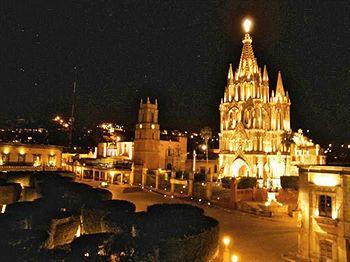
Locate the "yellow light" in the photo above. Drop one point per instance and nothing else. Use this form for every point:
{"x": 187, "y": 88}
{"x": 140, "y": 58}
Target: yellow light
{"x": 324, "y": 180}
{"x": 247, "y": 24}
{"x": 21, "y": 151}
{"x": 234, "y": 258}
{"x": 316, "y": 212}
{"x": 152, "y": 126}
{"x": 226, "y": 240}
{"x": 6, "y": 150}
{"x": 334, "y": 215}
{"x": 3, "y": 209}
{"x": 204, "y": 147}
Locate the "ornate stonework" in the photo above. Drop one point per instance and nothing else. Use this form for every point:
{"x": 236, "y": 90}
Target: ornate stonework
{"x": 254, "y": 125}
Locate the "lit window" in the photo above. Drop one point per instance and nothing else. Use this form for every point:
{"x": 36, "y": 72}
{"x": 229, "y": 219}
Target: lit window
{"x": 21, "y": 158}
{"x": 152, "y": 126}
{"x": 52, "y": 160}
{"x": 140, "y": 125}
{"x": 325, "y": 206}
{"x": 5, "y": 158}
{"x": 36, "y": 160}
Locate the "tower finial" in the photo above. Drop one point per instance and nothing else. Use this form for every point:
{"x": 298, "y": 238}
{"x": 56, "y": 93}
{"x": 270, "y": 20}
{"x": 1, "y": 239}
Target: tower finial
{"x": 230, "y": 75}
{"x": 148, "y": 100}
{"x": 279, "y": 86}
{"x": 265, "y": 75}
{"x": 247, "y": 25}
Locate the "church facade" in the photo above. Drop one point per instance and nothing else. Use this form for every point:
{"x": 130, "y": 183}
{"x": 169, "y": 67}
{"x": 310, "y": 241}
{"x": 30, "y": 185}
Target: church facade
{"x": 255, "y": 132}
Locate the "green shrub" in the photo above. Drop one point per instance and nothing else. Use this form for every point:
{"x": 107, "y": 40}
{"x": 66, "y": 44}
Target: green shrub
{"x": 226, "y": 182}
{"x": 199, "y": 177}
{"x": 291, "y": 182}
{"x": 246, "y": 182}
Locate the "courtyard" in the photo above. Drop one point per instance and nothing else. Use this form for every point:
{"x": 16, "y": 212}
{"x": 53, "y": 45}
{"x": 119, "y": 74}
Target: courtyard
{"x": 253, "y": 238}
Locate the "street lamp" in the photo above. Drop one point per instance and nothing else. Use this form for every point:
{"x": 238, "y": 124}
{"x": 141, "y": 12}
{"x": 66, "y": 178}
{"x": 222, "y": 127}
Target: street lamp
{"x": 226, "y": 240}
{"x": 226, "y": 253}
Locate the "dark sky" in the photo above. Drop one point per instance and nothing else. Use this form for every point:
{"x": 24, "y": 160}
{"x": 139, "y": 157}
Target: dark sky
{"x": 177, "y": 51}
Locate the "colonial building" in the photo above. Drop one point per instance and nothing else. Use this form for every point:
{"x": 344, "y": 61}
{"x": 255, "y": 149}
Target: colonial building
{"x": 17, "y": 156}
{"x": 324, "y": 221}
{"x": 150, "y": 150}
{"x": 255, "y": 132}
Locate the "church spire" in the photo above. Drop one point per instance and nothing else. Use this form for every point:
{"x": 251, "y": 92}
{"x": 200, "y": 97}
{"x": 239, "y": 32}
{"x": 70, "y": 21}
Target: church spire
{"x": 279, "y": 86}
{"x": 247, "y": 62}
{"x": 265, "y": 75}
{"x": 230, "y": 75}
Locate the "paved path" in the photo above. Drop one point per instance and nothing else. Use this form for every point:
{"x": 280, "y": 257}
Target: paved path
{"x": 254, "y": 238}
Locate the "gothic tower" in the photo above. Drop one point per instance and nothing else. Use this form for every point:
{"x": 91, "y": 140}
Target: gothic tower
{"x": 253, "y": 124}
{"x": 147, "y": 135}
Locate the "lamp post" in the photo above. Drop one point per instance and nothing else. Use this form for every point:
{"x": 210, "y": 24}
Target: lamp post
{"x": 226, "y": 253}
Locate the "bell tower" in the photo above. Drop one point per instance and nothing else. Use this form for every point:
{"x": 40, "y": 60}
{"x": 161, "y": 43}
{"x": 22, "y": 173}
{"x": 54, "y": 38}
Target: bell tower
{"x": 147, "y": 135}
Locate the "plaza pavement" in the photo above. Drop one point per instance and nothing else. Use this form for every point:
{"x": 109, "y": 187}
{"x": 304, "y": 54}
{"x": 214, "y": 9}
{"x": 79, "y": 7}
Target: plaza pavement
{"x": 254, "y": 238}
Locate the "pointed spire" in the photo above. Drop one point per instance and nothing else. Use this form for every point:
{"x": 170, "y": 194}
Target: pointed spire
{"x": 279, "y": 86}
{"x": 141, "y": 101}
{"x": 247, "y": 62}
{"x": 148, "y": 100}
{"x": 230, "y": 75}
{"x": 156, "y": 101}
{"x": 265, "y": 75}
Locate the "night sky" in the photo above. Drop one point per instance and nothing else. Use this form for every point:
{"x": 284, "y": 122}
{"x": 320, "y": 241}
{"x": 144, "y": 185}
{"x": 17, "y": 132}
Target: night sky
{"x": 177, "y": 51}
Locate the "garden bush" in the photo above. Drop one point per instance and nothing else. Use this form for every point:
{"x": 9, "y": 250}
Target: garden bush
{"x": 226, "y": 182}
{"x": 290, "y": 182}
{"x": 199, "y": 177}
{"x": 246, "y": 182}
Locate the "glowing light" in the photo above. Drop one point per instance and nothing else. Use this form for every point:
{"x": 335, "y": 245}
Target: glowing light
{"x": 6, "y": 150}
{"x": 3, "y": 209}
{"x": 334, "y": 215}
{"x": 204, "y": 147}
{"x": 247, "y": 24}
{"x": 316, "y": 212}
{"x": 234, "y": 258}
{"x": 152, "y": 126}
{"x": 324, "y": 180}
{"x": 226, "y": 240}
{"x": 78, "y": 233}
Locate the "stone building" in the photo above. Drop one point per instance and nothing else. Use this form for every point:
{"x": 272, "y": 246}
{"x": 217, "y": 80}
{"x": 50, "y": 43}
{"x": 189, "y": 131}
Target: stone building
{"x": 16, "y": 156}
{"x": 150, "y": 150}
{"x": 255, "y": 132}
{"x": 324, "y": 221}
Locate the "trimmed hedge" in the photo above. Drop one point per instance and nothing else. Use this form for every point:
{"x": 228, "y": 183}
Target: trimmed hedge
{"x": 10, "y": 193}
{"x": 226, "y": 182}
{"x": 93, "y": 213}
{"x": 246, "y": 182}
{"x": 177, "y": 233}
{"x": 290, "y": 182}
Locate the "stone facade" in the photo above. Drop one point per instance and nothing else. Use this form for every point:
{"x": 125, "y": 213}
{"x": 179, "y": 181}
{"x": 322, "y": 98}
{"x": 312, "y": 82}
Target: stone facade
{"x": 324, "y": 220}
{"x": 16, "y": 156}
{"x": 255, "y": 131}
{"x": 150, "y": 150}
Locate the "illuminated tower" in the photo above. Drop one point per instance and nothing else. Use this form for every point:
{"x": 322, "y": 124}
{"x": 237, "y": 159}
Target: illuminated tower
{"x": 253, "y": 124}
{"x": 147, "y": 135}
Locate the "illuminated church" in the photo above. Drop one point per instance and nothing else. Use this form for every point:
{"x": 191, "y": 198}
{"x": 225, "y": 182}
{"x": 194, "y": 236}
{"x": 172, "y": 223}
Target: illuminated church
{"x": 255, "y": 133}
